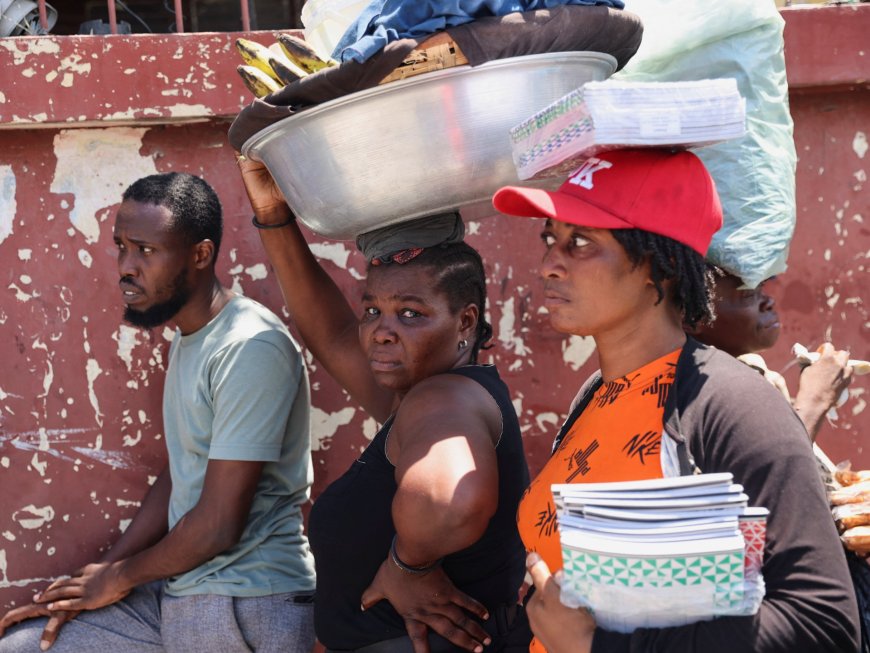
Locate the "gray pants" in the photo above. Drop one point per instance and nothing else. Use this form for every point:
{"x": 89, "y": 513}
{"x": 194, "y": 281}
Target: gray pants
{"x": 150, "y": 621}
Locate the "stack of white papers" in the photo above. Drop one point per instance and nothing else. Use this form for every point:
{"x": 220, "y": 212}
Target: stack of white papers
{"x": 659, "y": 553}
{"x": 611, "y": 114}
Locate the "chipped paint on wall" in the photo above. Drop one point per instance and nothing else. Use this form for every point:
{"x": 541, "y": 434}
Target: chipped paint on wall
{"x": 324, "y": 425}
{"x": 8, "y": 207}
{"x": 112, "y": 161}
{"x": 92, "y": 371}
{"x": 127, "y": 338}
{"x": 335, "y": 253}
{"x": 20, "y": 49}
{"x": 257, "y": 272}
{"x": 576, "y": 350}
{"x": 32, "y": 517}
{"x": 507, "y": 332}
{"x": 859, "y": 144}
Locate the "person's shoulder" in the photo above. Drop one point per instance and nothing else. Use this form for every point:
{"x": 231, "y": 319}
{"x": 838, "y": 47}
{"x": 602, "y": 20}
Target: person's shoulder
{"x": 250, "y": 320}
{"x": 448, "y": 392}
{"x": 250, "y": 338}
{"x": 722, "y": 383}
{"x": 709, "y": 365}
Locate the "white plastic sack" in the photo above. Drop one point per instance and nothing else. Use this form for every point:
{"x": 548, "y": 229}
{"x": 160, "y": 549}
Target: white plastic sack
{"x": 755, "y": 175}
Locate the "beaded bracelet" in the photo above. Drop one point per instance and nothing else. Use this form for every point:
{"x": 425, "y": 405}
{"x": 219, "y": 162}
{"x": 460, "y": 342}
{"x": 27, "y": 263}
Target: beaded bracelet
{"x": 408, "y": 569}
{"x": 260, "y": 225}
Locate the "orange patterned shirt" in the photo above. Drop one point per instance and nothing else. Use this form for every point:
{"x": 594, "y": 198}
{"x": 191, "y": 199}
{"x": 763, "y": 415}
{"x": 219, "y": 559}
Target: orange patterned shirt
{"x": 617, "y": 438}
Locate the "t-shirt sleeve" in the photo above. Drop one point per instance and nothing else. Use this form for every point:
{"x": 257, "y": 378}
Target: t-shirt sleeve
{"x": 253, "y": 386}
{"x": 750, "y": 430}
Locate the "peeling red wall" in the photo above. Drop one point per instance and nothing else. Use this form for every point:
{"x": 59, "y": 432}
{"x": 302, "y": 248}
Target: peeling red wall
{"x": 80, "y": 425}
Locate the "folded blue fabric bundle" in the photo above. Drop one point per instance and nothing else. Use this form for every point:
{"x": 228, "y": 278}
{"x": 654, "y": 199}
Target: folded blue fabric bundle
{"x": 384, "y": 21}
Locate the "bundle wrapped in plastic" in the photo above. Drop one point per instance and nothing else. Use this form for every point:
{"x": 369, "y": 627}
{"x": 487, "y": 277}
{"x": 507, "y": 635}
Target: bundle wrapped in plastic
{"x": 755, "y": 175}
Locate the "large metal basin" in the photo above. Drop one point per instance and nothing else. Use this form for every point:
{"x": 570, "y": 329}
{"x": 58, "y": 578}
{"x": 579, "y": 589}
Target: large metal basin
{"x": 411, "y": 148}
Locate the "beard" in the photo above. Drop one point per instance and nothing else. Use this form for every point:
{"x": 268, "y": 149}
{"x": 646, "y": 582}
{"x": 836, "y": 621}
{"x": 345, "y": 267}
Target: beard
{"x": 164, "y": 311}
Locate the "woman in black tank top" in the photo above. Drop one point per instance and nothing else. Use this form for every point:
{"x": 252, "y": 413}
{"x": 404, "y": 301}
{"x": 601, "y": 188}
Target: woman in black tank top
{"x": 418, "y": 539}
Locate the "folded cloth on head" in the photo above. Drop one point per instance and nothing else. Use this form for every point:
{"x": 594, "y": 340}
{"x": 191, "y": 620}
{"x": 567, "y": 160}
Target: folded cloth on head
{"x": 382, "y": 245}
{"x": 385, "y": 21}
{"x": 561, "y": 29}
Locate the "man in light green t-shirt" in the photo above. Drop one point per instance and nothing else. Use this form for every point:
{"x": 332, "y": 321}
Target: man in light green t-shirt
{"x": 216, "y": 558}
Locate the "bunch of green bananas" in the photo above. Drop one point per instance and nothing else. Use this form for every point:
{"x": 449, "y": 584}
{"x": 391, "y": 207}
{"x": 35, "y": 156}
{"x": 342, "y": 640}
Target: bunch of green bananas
{"x": 267, "y": 70}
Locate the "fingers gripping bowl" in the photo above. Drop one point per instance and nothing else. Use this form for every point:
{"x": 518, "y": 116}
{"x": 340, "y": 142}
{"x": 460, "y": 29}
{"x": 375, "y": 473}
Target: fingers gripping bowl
{"x": 416, "y": 147}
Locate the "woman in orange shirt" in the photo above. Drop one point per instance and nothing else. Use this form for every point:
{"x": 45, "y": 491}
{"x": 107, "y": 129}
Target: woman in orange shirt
{"x": 625, "y": 241}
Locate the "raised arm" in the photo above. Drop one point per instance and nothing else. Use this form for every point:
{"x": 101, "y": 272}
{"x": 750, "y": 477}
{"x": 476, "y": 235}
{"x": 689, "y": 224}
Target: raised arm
{"x": 443, "y": 444}
{"x": 321, "y": 312}
{"x": 820, "y": 387}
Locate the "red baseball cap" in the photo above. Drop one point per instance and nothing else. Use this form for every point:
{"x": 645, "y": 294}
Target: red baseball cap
{"x": 660, "y": 191}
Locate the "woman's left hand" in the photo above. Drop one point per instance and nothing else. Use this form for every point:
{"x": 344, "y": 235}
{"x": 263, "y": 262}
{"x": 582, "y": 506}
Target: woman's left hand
{"x": 558, "y": 627}
{"x": 429, "y": 601}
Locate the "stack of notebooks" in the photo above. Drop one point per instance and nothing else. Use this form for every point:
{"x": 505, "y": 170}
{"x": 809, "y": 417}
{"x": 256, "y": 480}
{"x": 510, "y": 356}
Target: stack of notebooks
{"x": 611, "y": 114}
{"x": 660, "y": 553}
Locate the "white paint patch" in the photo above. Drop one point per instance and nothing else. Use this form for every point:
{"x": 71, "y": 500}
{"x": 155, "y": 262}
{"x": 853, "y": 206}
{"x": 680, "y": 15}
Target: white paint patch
{"x": 31, "y": 517}
{"x": 257, "y": 272}
{"x": 4, "y": 461}
{"x": 370, "y": 428}
{"x": 92, "y": 370}
{"x": 22, "y": 48}
{"x": 8, "y": 207}
{"x": 132, "y": 442}
{"x": 337, "y": 253}
{"x": 38, "y": 465}
{"x": 576, "y": 350}
{"x": 546, "y": 421}
{"x": 85, "y": 258}
{"x": 71, "y": 63}
{"x": 859, "y": 144}
{"x": 127, "y": 338}
{"x": 111, "y": 157}
{"x": 324, "y": 425}
{"x": 20, "y": 295}
{"x": 860, "y": 403}
{"x": 24, "y": 254}
{"x": 507, "y": 332}
{"x": 188, "y": 110}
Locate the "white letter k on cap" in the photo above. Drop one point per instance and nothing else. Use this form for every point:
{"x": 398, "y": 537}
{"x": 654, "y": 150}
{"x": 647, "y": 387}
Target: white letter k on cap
{"x": 583, "y": 176}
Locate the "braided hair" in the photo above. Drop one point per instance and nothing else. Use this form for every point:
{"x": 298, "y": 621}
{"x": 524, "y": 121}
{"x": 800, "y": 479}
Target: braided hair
{"x": 669, "y": 260}
{"x": 458, "y": 273}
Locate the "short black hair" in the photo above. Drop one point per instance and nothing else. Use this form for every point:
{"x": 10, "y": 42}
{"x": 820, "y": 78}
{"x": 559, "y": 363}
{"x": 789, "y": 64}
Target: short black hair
{"x": 669, "y": 260}
{"x": 195, "y": 207}
{"x": 460, "y": 276}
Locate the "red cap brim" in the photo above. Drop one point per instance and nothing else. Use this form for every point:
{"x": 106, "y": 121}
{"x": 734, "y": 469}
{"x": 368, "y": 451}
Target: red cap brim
{"x": 537, "y": 203}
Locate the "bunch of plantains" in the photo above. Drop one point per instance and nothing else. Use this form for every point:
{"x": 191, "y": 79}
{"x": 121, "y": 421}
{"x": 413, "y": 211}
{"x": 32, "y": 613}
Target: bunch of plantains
{"x": 267, "y": 70}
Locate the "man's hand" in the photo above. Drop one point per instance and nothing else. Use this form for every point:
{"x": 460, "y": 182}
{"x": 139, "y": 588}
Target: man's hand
{"x": 429, "y": 601}
{"x": 821, "y": 385}
{"x": 91, "y": 587}
{"x": 33, "y": 610}
{"x": 558, "y": 627}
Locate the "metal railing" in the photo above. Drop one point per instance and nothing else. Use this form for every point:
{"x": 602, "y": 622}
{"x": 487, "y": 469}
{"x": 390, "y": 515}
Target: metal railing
{"x": 179, "y": 16}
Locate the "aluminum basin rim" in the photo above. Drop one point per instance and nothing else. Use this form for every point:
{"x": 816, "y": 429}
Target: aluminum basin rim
{"x": 250, "y": 147}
